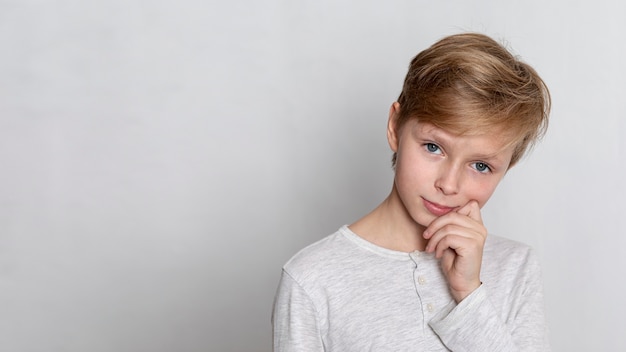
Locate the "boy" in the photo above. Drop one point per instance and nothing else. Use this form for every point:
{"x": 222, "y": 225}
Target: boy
{"x": 419, "y": 273}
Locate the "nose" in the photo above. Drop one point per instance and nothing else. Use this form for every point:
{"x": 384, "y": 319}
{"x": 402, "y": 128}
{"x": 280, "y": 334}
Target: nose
{"x": 448, "y": 180}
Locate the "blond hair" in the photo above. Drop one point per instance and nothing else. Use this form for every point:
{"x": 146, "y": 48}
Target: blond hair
{"x": 469, "y": 84}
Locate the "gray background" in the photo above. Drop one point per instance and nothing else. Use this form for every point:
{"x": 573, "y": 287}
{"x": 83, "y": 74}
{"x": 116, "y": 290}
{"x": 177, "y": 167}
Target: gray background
{"x": 161, "y": 160}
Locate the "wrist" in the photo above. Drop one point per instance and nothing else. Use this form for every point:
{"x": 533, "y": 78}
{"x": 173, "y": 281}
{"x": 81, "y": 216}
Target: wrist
{"x": 459, "y": 295}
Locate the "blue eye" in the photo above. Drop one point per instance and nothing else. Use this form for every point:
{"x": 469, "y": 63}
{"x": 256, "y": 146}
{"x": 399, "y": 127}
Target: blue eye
{"x": 482, "y": 167}
{"x": 433, "y": 148}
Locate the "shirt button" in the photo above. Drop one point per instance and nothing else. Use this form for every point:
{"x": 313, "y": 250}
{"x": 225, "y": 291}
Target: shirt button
{"x": 421, "y": 280}
{"x": 430, "y": 307}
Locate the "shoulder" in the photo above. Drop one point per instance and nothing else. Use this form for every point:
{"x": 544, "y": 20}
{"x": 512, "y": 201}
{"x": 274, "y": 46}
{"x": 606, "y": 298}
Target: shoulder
{"x": 500, "y": 249}
{"x": 508, "y": 260}
{"x": 319, "y": 257}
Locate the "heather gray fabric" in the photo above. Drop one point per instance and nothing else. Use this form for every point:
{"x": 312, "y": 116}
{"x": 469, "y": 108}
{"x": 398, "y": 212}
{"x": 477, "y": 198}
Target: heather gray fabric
{"x": 345, "y": 294}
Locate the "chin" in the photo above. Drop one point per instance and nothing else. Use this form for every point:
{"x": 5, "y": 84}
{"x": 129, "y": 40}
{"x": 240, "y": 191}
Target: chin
{"x": 424, "y": 220}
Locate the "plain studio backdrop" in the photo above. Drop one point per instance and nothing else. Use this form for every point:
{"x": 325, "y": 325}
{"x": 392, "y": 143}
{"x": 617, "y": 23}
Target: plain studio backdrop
{"x": 160, "y": 160}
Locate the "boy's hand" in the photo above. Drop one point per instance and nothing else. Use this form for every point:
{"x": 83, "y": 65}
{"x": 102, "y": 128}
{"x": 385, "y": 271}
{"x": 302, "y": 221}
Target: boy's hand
{"x": 458, "y": 238}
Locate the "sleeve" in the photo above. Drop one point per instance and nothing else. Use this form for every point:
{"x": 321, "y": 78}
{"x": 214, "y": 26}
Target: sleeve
{"x": 294, "y": 319}
{"x": 475, "y": 324}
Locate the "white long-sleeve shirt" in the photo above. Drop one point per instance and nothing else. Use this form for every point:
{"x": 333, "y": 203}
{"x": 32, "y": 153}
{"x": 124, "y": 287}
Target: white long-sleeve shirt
{"x": 346, "y": 294}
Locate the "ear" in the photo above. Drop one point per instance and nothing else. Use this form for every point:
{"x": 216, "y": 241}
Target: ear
{"x": 392, "y": 127}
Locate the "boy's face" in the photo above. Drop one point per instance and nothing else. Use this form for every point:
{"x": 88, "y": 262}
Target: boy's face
{"x": 438, "y": 172}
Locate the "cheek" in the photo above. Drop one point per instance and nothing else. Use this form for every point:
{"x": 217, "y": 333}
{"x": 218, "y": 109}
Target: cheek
{"x": 406, "y": 178}
{"x": 411, "y": 171}
{"x": 482, "y": 191}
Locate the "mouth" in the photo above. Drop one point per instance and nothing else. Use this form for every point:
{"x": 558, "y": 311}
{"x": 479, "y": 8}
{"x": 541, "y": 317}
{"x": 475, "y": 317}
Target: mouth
{"x": 437, "y": 209}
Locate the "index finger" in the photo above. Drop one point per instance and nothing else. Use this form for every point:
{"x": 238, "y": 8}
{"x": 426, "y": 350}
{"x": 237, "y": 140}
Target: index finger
{"x": 472, "y": 210}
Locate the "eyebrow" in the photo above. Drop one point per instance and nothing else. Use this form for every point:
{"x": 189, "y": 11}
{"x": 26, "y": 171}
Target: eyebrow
{"x": 445, "y": 137}
{"x": 487, "y": 157}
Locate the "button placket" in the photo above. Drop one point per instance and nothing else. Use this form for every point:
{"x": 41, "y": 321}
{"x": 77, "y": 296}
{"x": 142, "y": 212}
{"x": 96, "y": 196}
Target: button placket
{"x": 429, "y": 280}
{"x": 421, "y": 279}
{"x": 421, "y": 283}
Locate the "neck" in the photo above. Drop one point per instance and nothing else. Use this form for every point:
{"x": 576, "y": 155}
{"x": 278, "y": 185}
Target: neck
{"x": 390, "y": 226}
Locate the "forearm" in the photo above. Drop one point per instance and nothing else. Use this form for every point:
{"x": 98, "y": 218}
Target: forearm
{"x": 475, "y": 325}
